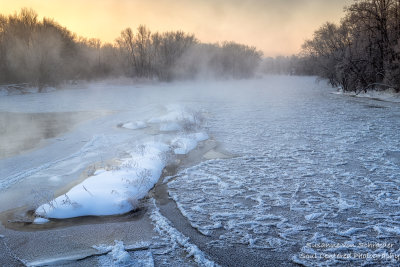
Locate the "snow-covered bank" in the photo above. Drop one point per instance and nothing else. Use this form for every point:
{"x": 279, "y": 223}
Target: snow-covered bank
{"x": 184, "y": 144}
{"x": 113, "y": 191}
{"x": 20, "y": 89}
{"x": 117, "y": 189}
{"x": 387, "y": 95}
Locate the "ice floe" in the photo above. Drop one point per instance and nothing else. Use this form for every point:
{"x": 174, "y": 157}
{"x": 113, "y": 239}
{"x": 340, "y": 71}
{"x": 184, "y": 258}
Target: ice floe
{"x": 134, "y": 125}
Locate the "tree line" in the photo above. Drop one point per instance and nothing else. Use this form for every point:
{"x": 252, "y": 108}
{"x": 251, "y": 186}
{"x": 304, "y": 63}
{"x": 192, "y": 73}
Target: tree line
{"x": 360, "y": 53}
{"x": 44, "y": 53}
{"x": 288, "y": 65}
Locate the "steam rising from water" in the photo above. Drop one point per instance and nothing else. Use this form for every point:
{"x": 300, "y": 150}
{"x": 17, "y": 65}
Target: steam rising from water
{"x": 24, "y": 131}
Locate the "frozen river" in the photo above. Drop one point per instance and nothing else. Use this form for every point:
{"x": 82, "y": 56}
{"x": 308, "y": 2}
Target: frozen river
{"x": 313, "y": 170}
{"x": 315, "y": 177}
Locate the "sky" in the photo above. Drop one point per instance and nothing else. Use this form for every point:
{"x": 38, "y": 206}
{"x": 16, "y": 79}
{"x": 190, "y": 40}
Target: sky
{"x": 276, "y": 27}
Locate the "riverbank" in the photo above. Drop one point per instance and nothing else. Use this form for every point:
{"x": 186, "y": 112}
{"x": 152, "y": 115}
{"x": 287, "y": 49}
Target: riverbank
{"x": 71, "y": 241}
{"x": 311, "y": 167}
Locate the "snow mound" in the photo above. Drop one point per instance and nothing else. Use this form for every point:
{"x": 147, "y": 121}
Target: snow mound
{"x": 118, "y": 189}
{"x": 185, "y": 144}
{"x": 134, "y": 125}
{"x": 118, "y": 255}
{"x": 114, "y": 191}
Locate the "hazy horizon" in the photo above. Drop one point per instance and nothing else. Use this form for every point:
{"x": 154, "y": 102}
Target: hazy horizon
{"x": 275, "y": 27}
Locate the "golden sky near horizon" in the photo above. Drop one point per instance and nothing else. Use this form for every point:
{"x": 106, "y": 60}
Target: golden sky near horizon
{"x": 277, "y": 27}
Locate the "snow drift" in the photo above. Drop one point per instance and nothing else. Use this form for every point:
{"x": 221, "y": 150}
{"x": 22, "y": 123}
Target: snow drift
{"x": 116, "y": 190}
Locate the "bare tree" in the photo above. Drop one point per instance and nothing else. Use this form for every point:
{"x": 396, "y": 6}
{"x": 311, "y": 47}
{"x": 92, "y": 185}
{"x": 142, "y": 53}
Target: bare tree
{"x": 43, "y": 53}
{"x": 361, "y": 53}
{"x": 126, "y": 43}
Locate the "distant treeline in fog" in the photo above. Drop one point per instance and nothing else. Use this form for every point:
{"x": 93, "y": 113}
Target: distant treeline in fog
{"x": 363, "y": 51}
{"x": 288, "y": 65}
{"x": 43, "y": 53}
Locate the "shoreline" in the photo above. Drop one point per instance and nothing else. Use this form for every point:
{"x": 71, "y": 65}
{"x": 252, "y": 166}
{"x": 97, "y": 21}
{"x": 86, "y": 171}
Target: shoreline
{"x": 45, "y": 236}
{"x": 21, "y": 218}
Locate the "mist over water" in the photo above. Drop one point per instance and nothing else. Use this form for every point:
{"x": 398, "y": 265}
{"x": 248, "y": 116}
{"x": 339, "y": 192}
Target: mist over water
{"x": 284, "y": 132}
{"x": 23, "y": 131}
{"x": 96, "y": 110}
{"x": 200, "y": 153}
{"x": 42, "y": 53}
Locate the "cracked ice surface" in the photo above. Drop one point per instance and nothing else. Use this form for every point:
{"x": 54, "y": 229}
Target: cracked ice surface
{"x": 312, "y": 169}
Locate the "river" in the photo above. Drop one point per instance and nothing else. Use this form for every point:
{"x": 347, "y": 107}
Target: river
{"x": 314, "y": 177}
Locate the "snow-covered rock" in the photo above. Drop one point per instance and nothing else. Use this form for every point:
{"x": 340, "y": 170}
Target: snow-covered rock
{"x": 184, "y": 144}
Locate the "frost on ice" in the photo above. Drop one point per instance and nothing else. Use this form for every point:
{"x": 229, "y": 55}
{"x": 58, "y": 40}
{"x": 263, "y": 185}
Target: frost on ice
{"x": 163, "y": 227}
{"x": 302, "y": 178}
{"x": 117, "y": 255}
{"x": 184, "y": 144}
{"x": 134, "y": 125}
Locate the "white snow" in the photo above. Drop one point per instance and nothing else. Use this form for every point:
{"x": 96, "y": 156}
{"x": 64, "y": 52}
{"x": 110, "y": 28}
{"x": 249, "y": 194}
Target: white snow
{"x": 117, "y": 190}
{"x": 134, "y": 125}
{"x": 117, "y": 255}
{"x": 39, "y": 220}
{"x": 386, "y": 95}
{"x": 184, "y": 144}
{"x": 114, "y": 191}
